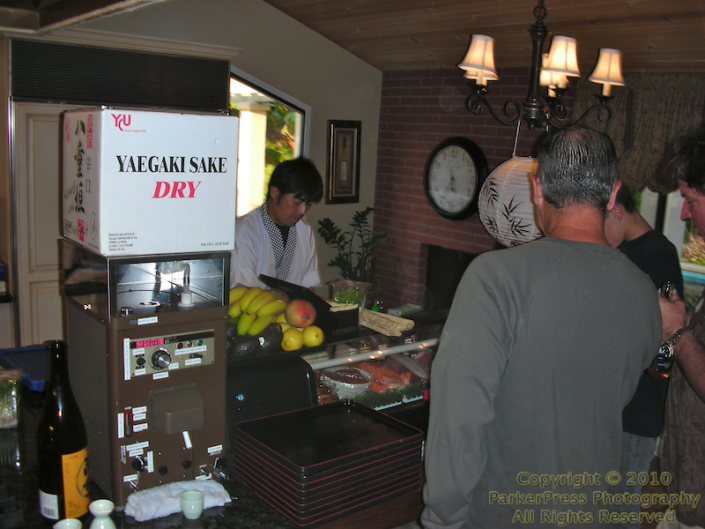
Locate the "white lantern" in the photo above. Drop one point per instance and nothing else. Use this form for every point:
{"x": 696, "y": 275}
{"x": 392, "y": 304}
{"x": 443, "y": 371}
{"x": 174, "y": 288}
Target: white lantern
{"x": 505, "y": 206}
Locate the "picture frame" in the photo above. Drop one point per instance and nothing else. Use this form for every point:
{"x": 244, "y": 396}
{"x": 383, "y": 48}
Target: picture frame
{"x": 343, "y": 174}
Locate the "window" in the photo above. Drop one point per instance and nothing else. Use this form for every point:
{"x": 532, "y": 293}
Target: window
{"x": 271, "y": 131}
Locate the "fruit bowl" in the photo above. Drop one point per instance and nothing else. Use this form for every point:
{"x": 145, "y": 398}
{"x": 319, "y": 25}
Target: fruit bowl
{"x": 346, "y": 381}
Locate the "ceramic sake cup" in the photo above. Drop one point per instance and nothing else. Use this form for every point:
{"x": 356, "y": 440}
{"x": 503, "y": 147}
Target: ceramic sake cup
{"x": 192, "y": 504}
{"x": 68, "y": 523}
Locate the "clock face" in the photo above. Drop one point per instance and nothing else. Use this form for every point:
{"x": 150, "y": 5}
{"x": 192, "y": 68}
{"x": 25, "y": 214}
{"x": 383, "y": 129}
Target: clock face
{"x": 452, "y": 179}
{"x": 454, "y": 173}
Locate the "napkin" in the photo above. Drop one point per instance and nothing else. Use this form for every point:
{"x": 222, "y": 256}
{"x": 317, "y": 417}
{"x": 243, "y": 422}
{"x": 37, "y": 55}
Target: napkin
{"x": 164, "y": 500}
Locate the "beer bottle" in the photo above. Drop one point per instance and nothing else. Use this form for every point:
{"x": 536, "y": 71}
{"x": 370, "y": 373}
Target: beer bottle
{"x": 61, "y": 445}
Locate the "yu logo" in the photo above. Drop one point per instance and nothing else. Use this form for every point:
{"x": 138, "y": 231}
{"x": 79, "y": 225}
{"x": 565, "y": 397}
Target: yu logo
{"x": 122, "y": 119}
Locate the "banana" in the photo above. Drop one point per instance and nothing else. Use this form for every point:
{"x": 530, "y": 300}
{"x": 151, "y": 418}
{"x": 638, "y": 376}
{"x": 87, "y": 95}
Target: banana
{"x": 234, "y": 309}
{"x": 248, "y": 296}
{"x": 274, "y": 307}
{"x": 236, "y": 293}
{"x": 260, "y": 324}
{"x": 246, "y": 321}
{"x": 259, "y": 302}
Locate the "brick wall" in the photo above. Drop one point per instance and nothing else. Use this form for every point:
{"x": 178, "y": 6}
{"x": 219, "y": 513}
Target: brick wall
{"x": 419, "y": 109}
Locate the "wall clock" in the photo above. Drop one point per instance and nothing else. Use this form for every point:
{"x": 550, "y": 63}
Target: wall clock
{"x": 453, "y": 176}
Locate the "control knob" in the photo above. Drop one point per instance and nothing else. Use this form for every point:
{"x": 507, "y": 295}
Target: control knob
{"x": 161, "y": 359}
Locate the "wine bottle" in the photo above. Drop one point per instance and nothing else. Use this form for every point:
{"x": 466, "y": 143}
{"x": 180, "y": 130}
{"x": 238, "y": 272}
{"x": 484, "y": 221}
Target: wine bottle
{"x": 61, "y": 445}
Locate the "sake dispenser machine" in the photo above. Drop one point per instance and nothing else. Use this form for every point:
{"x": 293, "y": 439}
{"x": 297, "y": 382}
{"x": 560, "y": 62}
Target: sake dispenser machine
{"x": 147, "y": 364}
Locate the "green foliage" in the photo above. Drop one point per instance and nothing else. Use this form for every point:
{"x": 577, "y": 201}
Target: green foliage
{"x": 693, "y": 248}
{"x": 281, "y": 135}
{"x": 355, "y": 247}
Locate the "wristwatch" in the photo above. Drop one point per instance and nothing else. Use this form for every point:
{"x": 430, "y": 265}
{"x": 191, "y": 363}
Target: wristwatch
{"x": 664, "y": 357}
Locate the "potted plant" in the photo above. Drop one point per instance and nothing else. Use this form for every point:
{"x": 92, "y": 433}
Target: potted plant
{"x": 355, "y": 257}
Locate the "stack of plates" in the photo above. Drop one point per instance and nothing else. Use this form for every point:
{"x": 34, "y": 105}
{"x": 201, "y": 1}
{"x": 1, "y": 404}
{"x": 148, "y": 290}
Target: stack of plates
{"x": 317, "y": 464}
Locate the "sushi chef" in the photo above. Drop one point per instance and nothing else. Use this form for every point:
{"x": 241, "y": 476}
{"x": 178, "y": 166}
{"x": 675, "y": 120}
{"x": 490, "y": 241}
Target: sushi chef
{"x": 274, "y": 239}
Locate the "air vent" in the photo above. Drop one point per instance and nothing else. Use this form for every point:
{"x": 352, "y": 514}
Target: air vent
{"x": 82, "y": 75}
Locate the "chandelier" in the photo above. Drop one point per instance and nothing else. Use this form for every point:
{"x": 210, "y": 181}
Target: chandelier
{"x": 550, "y": 69}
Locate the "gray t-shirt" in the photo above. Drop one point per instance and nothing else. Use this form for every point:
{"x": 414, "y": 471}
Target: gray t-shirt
{"x": 542, "y": 349}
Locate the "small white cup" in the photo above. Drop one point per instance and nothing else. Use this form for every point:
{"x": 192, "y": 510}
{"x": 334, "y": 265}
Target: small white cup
{"x": 68, "y": 523}
{"x": 192, "y": 504}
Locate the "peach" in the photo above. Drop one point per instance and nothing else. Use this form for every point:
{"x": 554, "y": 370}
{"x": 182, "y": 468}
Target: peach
{"x": 300, "y": 313}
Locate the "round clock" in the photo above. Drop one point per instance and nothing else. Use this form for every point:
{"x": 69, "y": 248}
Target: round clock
{"x": 453, "y": 176}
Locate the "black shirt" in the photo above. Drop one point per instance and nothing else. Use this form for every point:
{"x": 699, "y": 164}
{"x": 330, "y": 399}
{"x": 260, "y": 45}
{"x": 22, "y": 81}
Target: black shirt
{"x": 656, "y": 256}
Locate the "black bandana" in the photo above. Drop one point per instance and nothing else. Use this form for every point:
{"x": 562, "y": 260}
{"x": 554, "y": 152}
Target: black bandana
{"x": 282, "y": 256}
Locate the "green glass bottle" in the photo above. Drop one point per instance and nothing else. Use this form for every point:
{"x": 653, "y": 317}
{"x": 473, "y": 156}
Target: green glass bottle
{"x": 62, "y": 446}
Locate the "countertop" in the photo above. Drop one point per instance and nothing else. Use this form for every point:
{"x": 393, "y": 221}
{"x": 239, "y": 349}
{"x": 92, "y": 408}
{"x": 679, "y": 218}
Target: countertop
{"x": 18, "y": 472}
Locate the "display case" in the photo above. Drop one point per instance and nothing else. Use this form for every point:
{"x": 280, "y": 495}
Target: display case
{"x": 389, "y": 374}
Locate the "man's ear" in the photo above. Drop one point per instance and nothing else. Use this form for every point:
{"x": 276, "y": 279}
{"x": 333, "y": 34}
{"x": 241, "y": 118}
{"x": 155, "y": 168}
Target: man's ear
{"x": 613, "y": 195}
{"x": 536, "y": 192}
{"x": 274, "y": 193}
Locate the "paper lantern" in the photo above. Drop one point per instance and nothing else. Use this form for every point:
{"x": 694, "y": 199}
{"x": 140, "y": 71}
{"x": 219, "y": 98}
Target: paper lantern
{"x": 505, "y": 206}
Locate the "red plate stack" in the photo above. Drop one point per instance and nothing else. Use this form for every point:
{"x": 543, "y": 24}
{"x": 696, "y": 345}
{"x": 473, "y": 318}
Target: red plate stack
{"x": 321, "y": 463}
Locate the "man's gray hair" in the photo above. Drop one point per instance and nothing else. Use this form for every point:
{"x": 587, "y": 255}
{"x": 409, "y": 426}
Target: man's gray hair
{"x": 577, "y": 166}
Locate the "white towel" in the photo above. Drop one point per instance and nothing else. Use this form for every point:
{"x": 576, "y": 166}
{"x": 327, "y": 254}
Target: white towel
{"x": 166, "y": 499}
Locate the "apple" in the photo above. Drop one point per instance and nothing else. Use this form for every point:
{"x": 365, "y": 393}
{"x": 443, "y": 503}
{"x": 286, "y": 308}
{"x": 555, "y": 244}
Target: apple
{"x": 300, "y": 313}
{"x": 313, "y": 336}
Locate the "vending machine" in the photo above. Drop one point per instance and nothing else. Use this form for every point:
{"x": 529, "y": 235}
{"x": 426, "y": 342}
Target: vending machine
{"x": 147, "y": 364}
{"x": 148, "y": 223}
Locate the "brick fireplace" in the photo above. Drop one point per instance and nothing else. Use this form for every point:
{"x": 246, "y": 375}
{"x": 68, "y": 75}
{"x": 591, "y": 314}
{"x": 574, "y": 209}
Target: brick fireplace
{"x": 420, "y": 108}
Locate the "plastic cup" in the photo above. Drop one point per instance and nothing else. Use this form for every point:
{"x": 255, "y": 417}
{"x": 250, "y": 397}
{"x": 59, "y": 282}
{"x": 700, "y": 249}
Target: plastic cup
{"x": 192, "y": 504}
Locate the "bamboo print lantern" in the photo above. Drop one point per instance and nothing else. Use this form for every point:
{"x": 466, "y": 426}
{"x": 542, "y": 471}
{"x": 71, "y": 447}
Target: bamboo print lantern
{"x": 505, "y": 207}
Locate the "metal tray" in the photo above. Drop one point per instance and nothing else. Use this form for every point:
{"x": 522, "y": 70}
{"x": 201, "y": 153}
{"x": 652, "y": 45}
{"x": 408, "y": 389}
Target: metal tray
{"x": 312, "y": 440}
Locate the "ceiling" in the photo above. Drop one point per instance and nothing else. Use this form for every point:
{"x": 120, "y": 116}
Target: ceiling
{"x": 654, "y": 35}
{"x": 43, "y": 16}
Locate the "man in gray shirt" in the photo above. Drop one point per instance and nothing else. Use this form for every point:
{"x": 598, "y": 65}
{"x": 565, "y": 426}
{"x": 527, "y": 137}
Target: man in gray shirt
{"x": 542, "y": 349}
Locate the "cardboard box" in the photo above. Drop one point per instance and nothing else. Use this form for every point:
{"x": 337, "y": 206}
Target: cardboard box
{"x": 149, "y": 182}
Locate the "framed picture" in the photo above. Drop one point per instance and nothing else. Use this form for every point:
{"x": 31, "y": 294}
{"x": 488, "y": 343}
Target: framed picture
{"x": 343, "y": 179}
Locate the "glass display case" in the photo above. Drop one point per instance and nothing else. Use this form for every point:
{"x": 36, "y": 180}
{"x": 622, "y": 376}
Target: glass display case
{"x": 390, "y": 374}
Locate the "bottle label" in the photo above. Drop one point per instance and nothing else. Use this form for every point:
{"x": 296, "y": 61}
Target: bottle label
{"x": 49, "y": 505}
{"x": 75, "y": 470}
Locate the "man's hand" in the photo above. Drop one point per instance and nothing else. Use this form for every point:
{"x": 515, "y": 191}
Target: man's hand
{"x": 672, "y": 314}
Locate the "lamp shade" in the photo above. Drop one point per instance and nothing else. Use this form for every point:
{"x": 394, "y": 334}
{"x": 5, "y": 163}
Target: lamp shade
{"x": 563, "y": 57}
{"x": 552, "y": 79}
{"x": 480, "y": 57}
{"x": 608, "y": 70}
{"x": 481, "y": 76}
{"x": 505, "y": 207}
